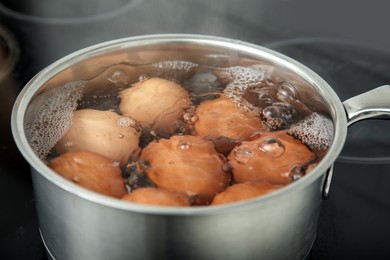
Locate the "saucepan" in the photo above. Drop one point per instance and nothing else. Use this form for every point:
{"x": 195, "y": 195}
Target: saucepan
{"x": 77, "y": 223}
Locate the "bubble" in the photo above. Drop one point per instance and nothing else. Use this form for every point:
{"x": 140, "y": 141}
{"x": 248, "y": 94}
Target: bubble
{"x": 316, "y": 131}
{"x": 265, "y": 99}
{"x": 242, "y": 80}
{"x": 286, "y": 93}
{"x": 50, "y": 116}
{"x": 121, "y": 136}
{"x": 272, "y": 146}
{"x": 126, "y": 121}
{"x": 118, "y": 77}
{"x": 204, "y": 83}
{"x": 296, "y": 172}
{"x": 116, "y": 164}
{"x": 189, "y": 118}
{"x": 226, "y": 167}
{"x": 278, "y": 115}
{"x": 184, "y": 146}
{"x": 76, "y": 179}
{"x": 180, "y": 65}
{"x": 171, "y": 162}
{"x": 143, "y": 77}
{"x": 243, "y": 155}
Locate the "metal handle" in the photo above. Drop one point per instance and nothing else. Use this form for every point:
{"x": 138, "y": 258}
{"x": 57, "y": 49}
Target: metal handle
{"x": 327, "y": 181}
{"x": 372, "y": 104}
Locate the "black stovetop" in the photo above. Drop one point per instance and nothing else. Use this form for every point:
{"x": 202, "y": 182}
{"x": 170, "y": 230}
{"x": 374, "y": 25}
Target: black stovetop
{"x": 354, "y": 221}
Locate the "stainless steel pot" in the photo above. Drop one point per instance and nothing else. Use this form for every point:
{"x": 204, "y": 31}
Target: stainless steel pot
{"x": 76, "y": 223}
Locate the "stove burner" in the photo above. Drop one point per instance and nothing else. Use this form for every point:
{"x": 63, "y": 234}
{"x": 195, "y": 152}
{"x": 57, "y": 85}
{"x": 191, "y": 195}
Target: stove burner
{"x": 350, "y": 70}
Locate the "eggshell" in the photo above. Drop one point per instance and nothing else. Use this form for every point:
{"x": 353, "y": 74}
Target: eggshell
{"x": 103, "y": 132}
{"x": 187, "y": 164}
{"x": 155, "y": 103}
{"x": 251, "y": 161}
{"x": 221, "y": 118}
{"x": 92, "y": 171}
{"x": 243, "y": 191}
{"x": 159, "y": 197}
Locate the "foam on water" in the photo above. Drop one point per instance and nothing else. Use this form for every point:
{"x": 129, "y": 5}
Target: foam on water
{"x": 315, "y": 131}
{"x": 243, "y": 79}
{"x": 126, "y": 121}
{"x": 175, "y": 65}
{"x": 53, "y": 112}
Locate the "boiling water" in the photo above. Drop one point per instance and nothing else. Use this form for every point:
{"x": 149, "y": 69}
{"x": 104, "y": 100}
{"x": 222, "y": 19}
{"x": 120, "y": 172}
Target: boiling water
{"x": 250, "y": 89}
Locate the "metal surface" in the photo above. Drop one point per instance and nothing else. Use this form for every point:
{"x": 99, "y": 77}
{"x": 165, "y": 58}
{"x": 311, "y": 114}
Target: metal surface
{"x": 372, "y": 104}
{"x": 327, "y": 182}
{"x": 280, "y": 225}
{"x": 76, "y": 228}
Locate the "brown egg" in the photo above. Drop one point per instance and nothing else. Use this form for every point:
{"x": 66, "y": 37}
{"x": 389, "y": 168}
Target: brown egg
{"x": 103, "y": 132}
{"x": 243, "y": 191}
{"x": 221, "y": 118}
{"x": 155, "y": 103}
{"x": 269, "y": 158}
{"x": 92, "y": 171}
{"x": 186, "y": 164}
{"x": 311, "y": 167}
{"x": 159, "y": 197}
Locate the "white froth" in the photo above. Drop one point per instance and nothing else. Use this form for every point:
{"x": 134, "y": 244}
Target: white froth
{"x": 315, "y": 131}
{"x": 175, "y": 65}
{"x": 243, "y": 79}
{"x": 52, "y": 114}
{"x": 126, "y": 121}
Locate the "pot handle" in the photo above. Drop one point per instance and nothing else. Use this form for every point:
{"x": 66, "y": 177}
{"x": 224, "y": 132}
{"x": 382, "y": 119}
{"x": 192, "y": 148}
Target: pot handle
{"x": 371, "y": 104}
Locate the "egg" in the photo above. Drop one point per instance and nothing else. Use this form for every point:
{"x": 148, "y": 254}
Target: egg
{"x": 243, "y": 191}
{"x": 159, "y": 197}
{"x": 103, "y": 132}
{"x": 92, "y": 171}
{"x": 186, "y": 164}
{"x": 222, "y": 119}
{"x": 155, "y": 103}
{"x": 272, "y": 157}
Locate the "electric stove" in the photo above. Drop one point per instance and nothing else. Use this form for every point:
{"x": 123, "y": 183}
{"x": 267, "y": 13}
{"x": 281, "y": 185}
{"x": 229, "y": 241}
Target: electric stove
{"x": 352, "y": 54}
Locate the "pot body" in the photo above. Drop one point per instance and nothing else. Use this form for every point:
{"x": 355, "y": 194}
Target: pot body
{"x": 76, "y": 228}
{"x": 79, "y": 224}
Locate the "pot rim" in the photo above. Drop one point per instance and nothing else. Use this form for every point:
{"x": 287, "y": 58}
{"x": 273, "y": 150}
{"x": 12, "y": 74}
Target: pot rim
{"x": 21, "y": 104}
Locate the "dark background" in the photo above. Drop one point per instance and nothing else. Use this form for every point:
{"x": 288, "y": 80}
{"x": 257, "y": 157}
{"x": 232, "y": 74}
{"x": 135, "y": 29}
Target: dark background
{"x": 346, "y": 42}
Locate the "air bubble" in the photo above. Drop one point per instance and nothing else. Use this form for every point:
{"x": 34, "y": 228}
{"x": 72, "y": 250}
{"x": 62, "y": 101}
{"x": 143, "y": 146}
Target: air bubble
{"x": 278, "y": 115}
{"x": 226, "y": 167}
{"x": 175, "y": 65}
{"x": 286, "y": 93}
{"x": 171, "y": 162}
{"x": 126, "y": 121}
{"x": 118, "y": 77}
{"x": 189, "y": 118}
{"x": 68, "y": 143}
{"x": 243, "y": 155}
{"x": 272, "y": 146}
{"x": 143, "y": 77}
{"x": 115, "y": 164}
{"x": 184, "y": 146}
{"x": 296, "y": 172}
